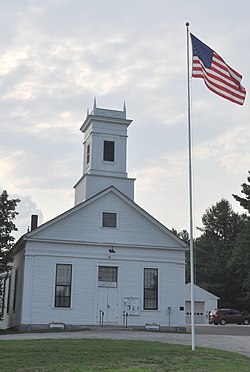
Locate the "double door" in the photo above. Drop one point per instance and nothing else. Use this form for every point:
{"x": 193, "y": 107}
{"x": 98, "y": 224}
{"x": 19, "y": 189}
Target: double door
{"x": 107, "y": 305}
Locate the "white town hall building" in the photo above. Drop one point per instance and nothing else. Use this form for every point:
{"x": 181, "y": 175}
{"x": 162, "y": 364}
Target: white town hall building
{"x": 106, "y": 260}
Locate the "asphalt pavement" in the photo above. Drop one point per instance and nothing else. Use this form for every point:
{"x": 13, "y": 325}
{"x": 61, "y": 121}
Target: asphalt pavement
{"x": 204, "y": 337}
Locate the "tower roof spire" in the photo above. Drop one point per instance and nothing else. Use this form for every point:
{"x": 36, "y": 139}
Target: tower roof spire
{"x": 124, "y": 109}
{"x": 94, "y": 108}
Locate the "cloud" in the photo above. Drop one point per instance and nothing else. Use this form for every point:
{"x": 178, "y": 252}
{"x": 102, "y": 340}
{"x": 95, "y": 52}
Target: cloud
{"x": 230, "y": 150}
{"x": 57, "y": 56}
{"x": 235, "y": 163}
{"x": 26, "y": 208}
{"x": 236, "y": 138}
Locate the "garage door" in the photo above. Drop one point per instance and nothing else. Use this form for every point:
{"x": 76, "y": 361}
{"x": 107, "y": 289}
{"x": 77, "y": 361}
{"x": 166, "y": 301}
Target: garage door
{"x": 199, "y": 316}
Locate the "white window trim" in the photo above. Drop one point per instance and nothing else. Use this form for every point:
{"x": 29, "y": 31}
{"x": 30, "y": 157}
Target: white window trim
{"x": 159, "y": 289}
{"x": 88, "y": 164}
{"x": 54, "y": 284}
{"x": 109, "y": 139}
{"x": 117, "y": 220}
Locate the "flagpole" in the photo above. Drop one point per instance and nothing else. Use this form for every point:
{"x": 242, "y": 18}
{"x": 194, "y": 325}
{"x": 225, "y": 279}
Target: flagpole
{"x": 190, "y": 196}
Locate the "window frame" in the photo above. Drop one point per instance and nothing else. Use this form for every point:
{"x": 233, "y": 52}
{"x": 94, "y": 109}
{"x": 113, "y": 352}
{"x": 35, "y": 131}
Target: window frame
{"x": 9, "y": 295}
{"x": 15, "y": 291}
{"x": 150, "y": 294}
{"x": 108, "y": 282}
{"x": 108, "y": 153}
{"x": 57, "y": 297}
{"x": 88, "y": 154}
{"x": 109, "y": 225}
{"x": 3, "y": 297}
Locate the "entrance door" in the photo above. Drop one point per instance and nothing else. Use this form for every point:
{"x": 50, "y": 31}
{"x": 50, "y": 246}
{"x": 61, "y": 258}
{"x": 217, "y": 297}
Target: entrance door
{"x": 107, "y": 302}
{"x": 107, "y": 295}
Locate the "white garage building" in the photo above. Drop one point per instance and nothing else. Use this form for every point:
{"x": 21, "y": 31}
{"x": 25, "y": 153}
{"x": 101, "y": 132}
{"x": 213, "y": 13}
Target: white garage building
{"x": 204, "y": 302}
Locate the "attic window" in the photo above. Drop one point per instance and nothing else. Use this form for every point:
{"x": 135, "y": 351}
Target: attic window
{"x": 109, "y": 219}
{"x": 109, "y": 151}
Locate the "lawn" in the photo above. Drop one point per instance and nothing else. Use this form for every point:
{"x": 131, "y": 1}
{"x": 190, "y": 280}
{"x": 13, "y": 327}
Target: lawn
{"x": 109, "y": 355}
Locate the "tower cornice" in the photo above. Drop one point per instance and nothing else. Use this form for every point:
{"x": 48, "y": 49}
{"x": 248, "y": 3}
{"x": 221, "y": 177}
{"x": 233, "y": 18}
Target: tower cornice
{"x": 108, "y": 119}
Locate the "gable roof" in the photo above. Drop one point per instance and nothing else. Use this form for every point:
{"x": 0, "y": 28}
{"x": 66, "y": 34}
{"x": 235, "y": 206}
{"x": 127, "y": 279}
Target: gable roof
{"x": 79, "y": 215}
{"x": 200, "y": 294}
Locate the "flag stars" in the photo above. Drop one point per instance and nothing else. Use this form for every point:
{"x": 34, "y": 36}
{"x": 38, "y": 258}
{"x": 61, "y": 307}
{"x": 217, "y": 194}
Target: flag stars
{"x": 219, "y": 77}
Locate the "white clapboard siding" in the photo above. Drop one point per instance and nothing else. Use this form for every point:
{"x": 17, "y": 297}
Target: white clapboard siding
{"x": 83, "y": 223}
{"x": 84, "y": 290}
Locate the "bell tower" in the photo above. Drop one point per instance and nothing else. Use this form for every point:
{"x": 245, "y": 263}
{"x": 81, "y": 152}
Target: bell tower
{"x": 105, "y": 154}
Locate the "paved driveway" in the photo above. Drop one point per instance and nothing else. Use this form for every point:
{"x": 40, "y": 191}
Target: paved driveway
{"x": 228, "y": 329}
{"x": 236, "y": 343}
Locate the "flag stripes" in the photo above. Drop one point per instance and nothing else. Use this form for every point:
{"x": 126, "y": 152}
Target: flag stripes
{"x": 217, "y": 75}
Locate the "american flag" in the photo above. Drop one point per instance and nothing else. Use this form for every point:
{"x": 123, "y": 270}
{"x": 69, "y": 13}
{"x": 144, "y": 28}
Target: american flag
{"x": 218, "y": 76}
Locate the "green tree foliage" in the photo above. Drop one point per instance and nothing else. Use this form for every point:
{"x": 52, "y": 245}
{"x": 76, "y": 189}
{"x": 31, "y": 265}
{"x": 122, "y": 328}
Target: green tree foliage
{"x": 213, "y": 251}
{"x": 221, "y": 223}
{"x": 240, "y": 262}
{"x": 240, "y": 266}
{"x": 7, "y": 226}
{"x": 244, "y": 202}
{"x": 184, "y": 235}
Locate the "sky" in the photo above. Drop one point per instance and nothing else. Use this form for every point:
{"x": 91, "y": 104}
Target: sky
{"x": 56, "y": 56}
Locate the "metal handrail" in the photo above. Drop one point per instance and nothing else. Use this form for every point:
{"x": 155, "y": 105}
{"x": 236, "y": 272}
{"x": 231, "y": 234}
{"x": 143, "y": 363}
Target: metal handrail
{"x": 101, "y": 315}
{"x": 125, "y": 319}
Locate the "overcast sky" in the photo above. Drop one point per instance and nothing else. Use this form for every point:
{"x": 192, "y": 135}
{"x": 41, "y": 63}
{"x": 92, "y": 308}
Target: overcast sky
{"x": 57, "y": 55}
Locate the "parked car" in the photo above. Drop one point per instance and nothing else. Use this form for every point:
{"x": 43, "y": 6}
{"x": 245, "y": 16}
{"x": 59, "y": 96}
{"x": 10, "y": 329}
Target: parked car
{"x": 223, "y": 316}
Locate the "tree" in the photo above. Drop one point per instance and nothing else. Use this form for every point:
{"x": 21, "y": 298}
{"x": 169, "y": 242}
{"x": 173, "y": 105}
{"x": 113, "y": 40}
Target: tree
{"x": 240, "y": 262}
{"x": 221, "y": 223}
{"x": 184, "y": 235}
{"x": 244, "y": 202}
{"x": 213, "y": 251}
{"x": 7, "y": 215}
{"x": 240, "y": 266}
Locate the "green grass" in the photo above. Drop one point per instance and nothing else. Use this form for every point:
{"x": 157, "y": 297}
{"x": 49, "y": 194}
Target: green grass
{"x": 109, "y": 355}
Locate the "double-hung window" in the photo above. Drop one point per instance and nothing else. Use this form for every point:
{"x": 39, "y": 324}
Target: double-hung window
{"x": 150, "y": 301}
{"x": 63, "y": 285}
{"x": 3, "y": 296}
{"x": 9, "y": 294}
{"x": 15, "y": 290}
